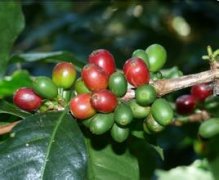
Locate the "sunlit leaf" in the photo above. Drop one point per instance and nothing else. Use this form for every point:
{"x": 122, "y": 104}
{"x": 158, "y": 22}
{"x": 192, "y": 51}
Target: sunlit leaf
{"x": 192, "y": 172}
{"x": 9, "y": 84}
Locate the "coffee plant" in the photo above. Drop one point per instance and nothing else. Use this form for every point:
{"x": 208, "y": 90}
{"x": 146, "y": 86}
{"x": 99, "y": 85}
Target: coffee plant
{"x": 96, "y": 121}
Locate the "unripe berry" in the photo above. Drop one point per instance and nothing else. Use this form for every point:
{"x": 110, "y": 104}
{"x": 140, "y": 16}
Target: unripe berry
{"x": 103, "y": 59}
{"x": 64, "y": 75}
{"x": 45, "y": 87}
{"x": 157, "y": 57}
{"x": 26, "y": 99}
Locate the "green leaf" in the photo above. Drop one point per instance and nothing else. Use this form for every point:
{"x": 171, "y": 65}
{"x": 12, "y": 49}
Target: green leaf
{"x": 9, "y": 108}
{"x": 12, "y": 23}
{"x": 146, "y": 155}
{"x": 159, "y": 150}
{"x": 44, "y": 146}
{"x": 48, "y": 57}
{"x": 10, "y": 84}
{"x": 106, "y": 163}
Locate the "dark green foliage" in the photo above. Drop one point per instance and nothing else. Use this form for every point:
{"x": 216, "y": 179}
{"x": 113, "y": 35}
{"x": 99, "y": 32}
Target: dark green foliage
{"x": 48, "y": 151}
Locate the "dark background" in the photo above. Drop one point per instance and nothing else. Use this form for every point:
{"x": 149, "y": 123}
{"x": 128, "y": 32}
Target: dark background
{"x": 122, "y": 27}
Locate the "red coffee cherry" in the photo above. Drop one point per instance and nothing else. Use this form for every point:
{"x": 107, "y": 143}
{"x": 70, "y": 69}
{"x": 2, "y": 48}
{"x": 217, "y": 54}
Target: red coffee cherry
{"x": 94, "y": 77}
{"x": 104, "y": 101}
{"x": 26, "y": 99}
{"x": 103, "y": 59}
{"x": 80, "y": 106}
{"x": 136, "y": 71}
{"x": 201, "y": 91}
{"x": 185, "y": 104}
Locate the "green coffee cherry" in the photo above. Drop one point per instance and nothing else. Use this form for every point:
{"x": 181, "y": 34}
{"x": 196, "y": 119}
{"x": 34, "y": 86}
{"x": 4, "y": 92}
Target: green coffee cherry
{"x": 138, "y": 110}
{"x": 86, "y": 122}
{"x": 162, "y": 111}
{"x": 45, "y": 87}
{"x": 123, "y": 114}
{"x": 119, "y": 134}
{"x": 118, "y": 84}
{"x": 140, "y": 53}
{"x": 151, "y": 125}
{"x": 157, "y": 57}
{"x": 145, "y": 95}
{"x": 209, "y": 128}
{"x": 80, "y": 86}
{"x": 101, "y": 123}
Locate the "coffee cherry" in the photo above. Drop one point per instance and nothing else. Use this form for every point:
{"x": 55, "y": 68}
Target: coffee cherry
{"x": 152, "y": 125}
{"x": 45, "y": 87}
{"x": 80, "y": 106}
{"x": 201, "y": 91}
{"x": 103, "y": 59}
{"x": 80, "y": 86}
{"x": 118, "y": 84}
{"x": 162, "y": 111}
{"x": 26, "y": 99}
{"x": 139, "y": 111}
{"x": 94, "y": 77}
{"x": 145, "y": 95}
{"x": 104, "y": 101}
{"x": 101, "y": 123}
{"x": 86, "y": 122}
{"x": 157, "y": 57}
{"x": 185, "y": 104}
{"x": 140, "y": 53}
{"x": 209, "y": 128}
{"x": 64, "y": 75}
{"x": 123, "y": 114}
{"x": 136, "y": 72}
{"x": 119, "y": 134}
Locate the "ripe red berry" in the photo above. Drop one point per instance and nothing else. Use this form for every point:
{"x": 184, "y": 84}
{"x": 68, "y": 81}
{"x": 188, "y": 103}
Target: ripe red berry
{"x": 64, "y": 75}
{"x": 104, "y": 101}
{"x": 185, "y": 104}
{"x": 26, "y": 99}
{"x": 80, "y": 106}
{"x": 136, "y": 71}
{"x": 94, "y": 77}
{"x": 104, "y": 59}
{"x": 201, "y": 91}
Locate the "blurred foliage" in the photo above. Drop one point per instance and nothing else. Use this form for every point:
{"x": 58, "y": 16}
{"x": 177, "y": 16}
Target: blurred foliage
{"x": 185, "y": 28}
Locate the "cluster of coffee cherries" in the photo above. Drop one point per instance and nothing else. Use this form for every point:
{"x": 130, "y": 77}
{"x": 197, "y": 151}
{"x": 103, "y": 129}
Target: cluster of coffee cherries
{"x": 46, "y": 93}
{"x": 187, "y": 103}
{"x": 99, "y": 97}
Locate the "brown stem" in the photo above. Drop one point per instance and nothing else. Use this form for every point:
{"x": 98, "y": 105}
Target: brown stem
{"x": 7, "y": 128}
{"x": 196, "y": 117}
{"x": 166, "y": 86}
